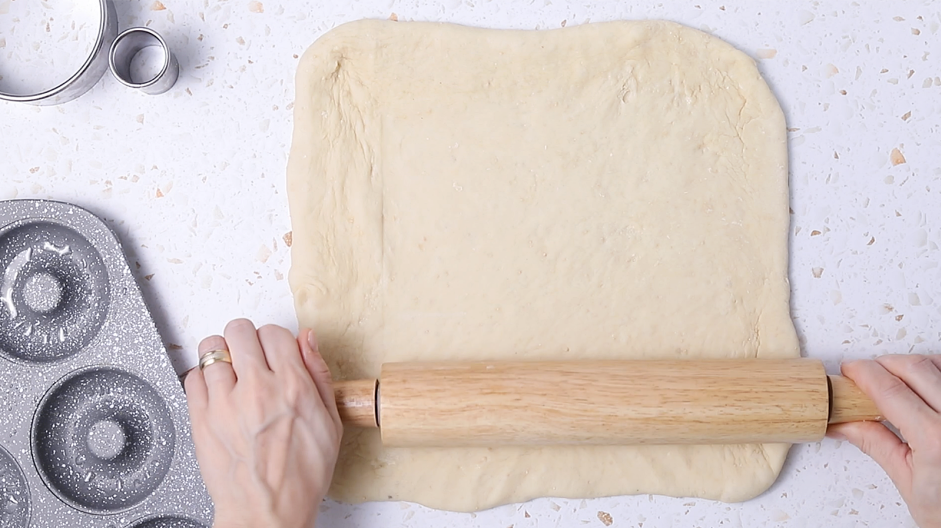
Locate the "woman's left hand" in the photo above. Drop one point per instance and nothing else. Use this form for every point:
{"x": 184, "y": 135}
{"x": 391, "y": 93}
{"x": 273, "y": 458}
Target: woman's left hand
{"x": 265, "y": 426}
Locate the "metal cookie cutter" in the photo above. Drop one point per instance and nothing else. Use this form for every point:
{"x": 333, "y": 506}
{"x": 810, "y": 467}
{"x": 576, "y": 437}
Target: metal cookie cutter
{"x": 128, "y": 44}
{"x": 88, "y": 75}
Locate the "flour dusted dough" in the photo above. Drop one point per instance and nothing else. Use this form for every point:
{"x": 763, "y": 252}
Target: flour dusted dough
{"x": 605, "y": 191}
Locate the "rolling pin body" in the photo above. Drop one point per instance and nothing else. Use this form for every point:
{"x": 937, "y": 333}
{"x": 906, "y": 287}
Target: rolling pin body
{"x": 601, "y": 402}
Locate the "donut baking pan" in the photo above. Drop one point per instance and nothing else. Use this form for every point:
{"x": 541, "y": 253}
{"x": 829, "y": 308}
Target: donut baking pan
{"x": 93, "y": 423}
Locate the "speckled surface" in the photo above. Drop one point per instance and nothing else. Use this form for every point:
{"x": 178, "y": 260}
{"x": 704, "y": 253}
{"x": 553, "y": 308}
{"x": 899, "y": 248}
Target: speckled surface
{"x": 193, "y": 182}
{"x": 96, "y": 425}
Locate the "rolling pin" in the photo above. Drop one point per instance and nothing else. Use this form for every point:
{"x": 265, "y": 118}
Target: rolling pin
{"x": 601, "y": 402}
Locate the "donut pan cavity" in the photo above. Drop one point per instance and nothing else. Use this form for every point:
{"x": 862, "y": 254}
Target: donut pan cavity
{"x": 93, "y": 423}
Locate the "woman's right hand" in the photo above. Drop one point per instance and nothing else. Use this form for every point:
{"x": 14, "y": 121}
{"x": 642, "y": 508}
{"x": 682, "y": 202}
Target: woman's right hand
{"x": 907, "y": 391}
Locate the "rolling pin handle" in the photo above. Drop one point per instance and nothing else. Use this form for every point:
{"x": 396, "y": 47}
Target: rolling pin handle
{"x": 357, "y": 402}
{"x": 848, "y": 403}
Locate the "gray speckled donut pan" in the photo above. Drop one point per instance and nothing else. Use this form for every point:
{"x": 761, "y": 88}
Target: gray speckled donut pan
{"x": 93, "y": 423}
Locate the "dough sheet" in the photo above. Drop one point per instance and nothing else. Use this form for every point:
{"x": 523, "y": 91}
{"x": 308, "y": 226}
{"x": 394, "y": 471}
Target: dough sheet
{"x": 611, "y": 190}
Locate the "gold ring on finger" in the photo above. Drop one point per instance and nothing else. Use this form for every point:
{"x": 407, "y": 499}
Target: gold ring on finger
{"x": 214, "y": 356}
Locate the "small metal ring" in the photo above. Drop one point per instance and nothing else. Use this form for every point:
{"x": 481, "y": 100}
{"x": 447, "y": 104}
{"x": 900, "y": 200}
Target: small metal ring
{"x": 128, "y": 44}
{"x": 214, "y": 356}
{"x": 90, "y": 72}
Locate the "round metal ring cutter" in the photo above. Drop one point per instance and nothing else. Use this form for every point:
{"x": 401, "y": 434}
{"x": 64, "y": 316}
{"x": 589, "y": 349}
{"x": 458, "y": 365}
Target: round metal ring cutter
{"x": 116, "y": 51}
{"x": 90, "y": 71}
{"x": 128, "y": 44}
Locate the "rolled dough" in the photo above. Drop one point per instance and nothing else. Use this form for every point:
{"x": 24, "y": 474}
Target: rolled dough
{"x": 610, "y": 190}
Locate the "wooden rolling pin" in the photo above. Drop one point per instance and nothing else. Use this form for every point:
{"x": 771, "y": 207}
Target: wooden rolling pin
{"x": 602, "y": 402}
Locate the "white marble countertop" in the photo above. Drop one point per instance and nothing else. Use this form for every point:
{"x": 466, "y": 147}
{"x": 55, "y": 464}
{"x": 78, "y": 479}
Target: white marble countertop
{"x": 193, "y": 182}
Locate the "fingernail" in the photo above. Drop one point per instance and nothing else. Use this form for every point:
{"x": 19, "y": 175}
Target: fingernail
{"x": 312, "y": 341}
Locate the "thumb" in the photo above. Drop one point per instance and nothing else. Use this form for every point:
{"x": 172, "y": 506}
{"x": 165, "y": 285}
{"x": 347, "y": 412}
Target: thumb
{"x": 887, "y": 449}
